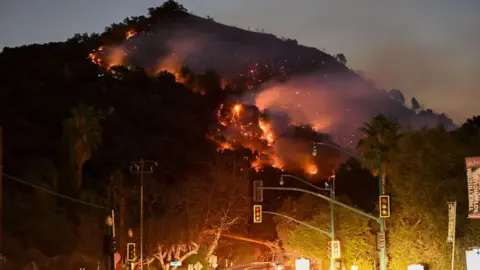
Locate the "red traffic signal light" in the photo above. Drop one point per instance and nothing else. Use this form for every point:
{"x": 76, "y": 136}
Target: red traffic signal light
{"x": 384, "y": 206}
{"x": 257, "y": 213}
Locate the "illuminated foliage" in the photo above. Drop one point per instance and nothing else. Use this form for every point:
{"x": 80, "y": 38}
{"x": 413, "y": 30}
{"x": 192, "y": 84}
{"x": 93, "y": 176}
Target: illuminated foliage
{"x": 426, "y": 172}
{"x": 353, "y": 231}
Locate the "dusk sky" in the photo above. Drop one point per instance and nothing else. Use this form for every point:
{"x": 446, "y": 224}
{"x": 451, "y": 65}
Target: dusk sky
{"x": 428, "y": 49}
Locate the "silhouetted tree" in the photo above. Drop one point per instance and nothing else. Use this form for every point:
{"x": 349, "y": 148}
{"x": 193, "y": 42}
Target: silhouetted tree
{"x": 84, "y": 132}
{"x": 415, "y": 104}
{"x": 380, "y": 138}
{"x": 341, "y": 58}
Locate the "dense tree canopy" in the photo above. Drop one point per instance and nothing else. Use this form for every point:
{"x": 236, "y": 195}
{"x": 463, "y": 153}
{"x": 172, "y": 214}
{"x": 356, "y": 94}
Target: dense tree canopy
{"x": 426, "y": 171}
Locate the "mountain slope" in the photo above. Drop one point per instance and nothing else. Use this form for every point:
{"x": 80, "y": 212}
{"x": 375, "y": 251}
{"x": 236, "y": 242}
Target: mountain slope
{"x": 248, "y": 59}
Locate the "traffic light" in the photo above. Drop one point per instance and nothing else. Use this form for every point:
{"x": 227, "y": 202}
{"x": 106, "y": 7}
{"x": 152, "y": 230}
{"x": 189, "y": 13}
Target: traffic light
{"x": 257, "y": 191}
{"x": 384, "y": 206}
{"x": 257, "y": 213}
{"x": 333, "y": 249}
{"x": 131, "y": 252}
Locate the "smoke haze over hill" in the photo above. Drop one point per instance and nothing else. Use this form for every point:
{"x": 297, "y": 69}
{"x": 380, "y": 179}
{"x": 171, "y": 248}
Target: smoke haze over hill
{"x": 316, "y": 89}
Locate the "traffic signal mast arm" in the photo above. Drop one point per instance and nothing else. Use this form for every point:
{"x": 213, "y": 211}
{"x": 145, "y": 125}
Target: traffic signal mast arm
{"x": 299, "y": 222}
{"x": 379, "y": 220}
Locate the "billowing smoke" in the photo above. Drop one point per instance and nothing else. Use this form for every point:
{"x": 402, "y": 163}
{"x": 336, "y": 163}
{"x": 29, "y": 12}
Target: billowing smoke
{"x": 285, "y": 111}
{"x": 340, "y": 104}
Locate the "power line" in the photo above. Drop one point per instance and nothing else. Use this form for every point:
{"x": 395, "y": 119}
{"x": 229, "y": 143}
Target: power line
{"x": 52, "y": 192}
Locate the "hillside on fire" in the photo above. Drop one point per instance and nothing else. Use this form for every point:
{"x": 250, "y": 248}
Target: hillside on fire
{"x": 209, "y": 107}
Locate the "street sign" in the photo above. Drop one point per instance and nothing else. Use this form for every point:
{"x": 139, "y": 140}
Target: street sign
{"x": 381, "y": 242}
{"x": 198, "y": 266}
{"x": 175, "y": 263}
{"x": 258, "y": 191}
{"x": 452, "y": 214}
{"x": 213, "y": 261}
{"x": 117, "y": 258}
{"x": 302, "y": 264}
{"x": 335, "y": 249}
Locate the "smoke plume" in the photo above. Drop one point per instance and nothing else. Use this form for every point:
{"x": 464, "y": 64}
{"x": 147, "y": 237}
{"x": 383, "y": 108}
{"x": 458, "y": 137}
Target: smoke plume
{"x": 285, "y": 111}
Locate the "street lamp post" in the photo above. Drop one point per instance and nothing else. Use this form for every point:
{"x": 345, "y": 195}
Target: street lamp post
{"x": 109, "y": 244}
{"x": 331, "y": 190}
{"x": 318, "y": 195}
{"x": 142, "y": 167}
{"x": 381, "y": 221}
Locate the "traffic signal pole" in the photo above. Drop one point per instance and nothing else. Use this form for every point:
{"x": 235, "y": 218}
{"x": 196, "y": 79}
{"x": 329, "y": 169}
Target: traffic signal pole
{"x": 348, "y": 207}
{"x": 334, "y": 202}
{"x": 381, "y": 221}
{"x": 331, "y": 191}
{"x": 383, "y": 249}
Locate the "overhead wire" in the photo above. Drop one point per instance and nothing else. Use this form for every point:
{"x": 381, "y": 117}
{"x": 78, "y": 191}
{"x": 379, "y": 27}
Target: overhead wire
{"x": 16, "y": 179}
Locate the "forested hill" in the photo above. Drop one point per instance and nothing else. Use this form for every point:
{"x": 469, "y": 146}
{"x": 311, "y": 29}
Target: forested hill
{"x": 73, "y": 126}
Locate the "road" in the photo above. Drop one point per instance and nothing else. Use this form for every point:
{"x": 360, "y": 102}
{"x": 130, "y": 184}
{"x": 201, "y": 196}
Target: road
{"x": 253, "y": 266}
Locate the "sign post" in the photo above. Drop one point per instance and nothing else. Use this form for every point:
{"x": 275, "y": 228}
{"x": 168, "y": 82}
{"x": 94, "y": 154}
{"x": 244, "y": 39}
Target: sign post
{"x": 452, "y": 217}
{"x": 197, "y": 266}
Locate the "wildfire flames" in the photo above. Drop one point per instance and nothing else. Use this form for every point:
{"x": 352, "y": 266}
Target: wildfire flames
{"x": 239, "y": 125}
{"x": 116, "y": 56}
{"x": 243, "y": 125}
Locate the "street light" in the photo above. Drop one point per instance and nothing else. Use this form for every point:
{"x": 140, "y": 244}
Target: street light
{"x": 383, "y": 250}
{"x": 331, "y": 190}
{"x": 109, "y": 242}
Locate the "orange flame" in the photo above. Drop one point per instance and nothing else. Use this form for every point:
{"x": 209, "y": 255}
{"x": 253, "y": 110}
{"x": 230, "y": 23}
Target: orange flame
{"x": 254, "y": 134}
{"x": 312, "y": 169}
{"x": 267, "y": 132}
{"x": 225, "y": 146}
{"x": 129, "y": 34}
{"x": 171, "y": 64}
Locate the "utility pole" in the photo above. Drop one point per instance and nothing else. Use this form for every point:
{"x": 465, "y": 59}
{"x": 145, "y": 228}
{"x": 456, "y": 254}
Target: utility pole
{"x": 121, "y": 235}
{"x": 112, "y": 205}
{"x": 332, "y": 221}
{"x": 1, "y": 186}
{"x": 142, "y": 167}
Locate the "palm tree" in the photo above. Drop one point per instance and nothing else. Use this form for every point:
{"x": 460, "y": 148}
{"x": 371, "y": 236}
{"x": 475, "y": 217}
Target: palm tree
{"x": 380, "y": 137}
{"x": 84, "y": 133}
